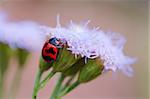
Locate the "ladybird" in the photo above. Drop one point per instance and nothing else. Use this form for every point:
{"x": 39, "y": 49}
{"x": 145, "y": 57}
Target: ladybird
{"x": 50, "y": 49}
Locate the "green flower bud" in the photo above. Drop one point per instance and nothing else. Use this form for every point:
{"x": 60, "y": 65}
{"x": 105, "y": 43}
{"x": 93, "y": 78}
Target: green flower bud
{"x": 5, "y": 53}
{"x": 92, "y": 69}
{"x": 64, "y": 60}
{"x": 22, "y": 56}
{"x": 43, "y": 65}
{"x": 74, "y": 69}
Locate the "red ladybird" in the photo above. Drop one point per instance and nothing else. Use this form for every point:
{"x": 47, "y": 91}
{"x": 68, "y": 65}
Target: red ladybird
{"x": 50, "y": 49}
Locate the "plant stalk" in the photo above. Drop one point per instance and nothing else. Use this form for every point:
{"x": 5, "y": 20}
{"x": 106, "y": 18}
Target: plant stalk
{"x": 36, "y": 84}
{"x": 69, "y": 89}
{"x": 16, "y": 83}
{"x": 57, "y": 88}
{"x": 68, "y": 82}
{"x": 47, "y": 78}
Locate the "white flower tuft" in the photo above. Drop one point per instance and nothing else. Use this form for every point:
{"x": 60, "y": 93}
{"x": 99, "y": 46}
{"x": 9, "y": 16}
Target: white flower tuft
{"x": 94, "y": 43}
{"x": 26, "y": 34}
{"x": 81, "y": 40}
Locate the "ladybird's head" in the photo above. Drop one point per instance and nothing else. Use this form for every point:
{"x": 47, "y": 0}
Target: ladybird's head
{"x": 53, "y": 41}
{"x": 56, "y": 42}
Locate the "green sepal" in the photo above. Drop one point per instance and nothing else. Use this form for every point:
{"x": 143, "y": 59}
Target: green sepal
{"x": 22, "y": 56}
{"x": 74, "y": 68}
{"x": 92, "y": 69}
{"x": 65, "y": 60}
{"x": 43, "y": 65}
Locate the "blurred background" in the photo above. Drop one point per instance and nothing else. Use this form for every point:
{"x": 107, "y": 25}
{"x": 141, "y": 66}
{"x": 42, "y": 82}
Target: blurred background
{"x": 128, "y": 17}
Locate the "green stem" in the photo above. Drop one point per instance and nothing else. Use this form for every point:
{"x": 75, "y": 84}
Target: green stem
{"x": 47, "y": 78}
{"x": 57, "y": 88}
{"x": 68, "y": 82}
{"x": 16, "y": 83}
{"x": 69, "y": 89}
{"x": 36, "y": 85}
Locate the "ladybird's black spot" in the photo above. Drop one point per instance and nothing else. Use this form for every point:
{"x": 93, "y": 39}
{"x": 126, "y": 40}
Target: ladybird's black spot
{"x": 51, "y": 50}
{"x": 47, "y": 58}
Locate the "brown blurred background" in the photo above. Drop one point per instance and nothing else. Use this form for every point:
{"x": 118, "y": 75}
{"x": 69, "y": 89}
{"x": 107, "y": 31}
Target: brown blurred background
{"x": 128, "y": 17}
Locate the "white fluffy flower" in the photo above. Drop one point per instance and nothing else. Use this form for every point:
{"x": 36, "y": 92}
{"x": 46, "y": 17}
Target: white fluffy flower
{"x": 94, "y": 43}
{"x": 25, "y": 34}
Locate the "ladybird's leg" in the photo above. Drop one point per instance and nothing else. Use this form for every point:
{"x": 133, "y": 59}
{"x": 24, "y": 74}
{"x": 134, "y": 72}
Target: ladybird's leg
{"x": 47, "y": 58}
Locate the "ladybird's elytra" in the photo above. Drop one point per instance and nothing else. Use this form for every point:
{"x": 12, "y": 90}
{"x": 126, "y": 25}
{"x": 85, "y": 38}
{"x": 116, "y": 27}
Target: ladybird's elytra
{"x": 50, "y": 50}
